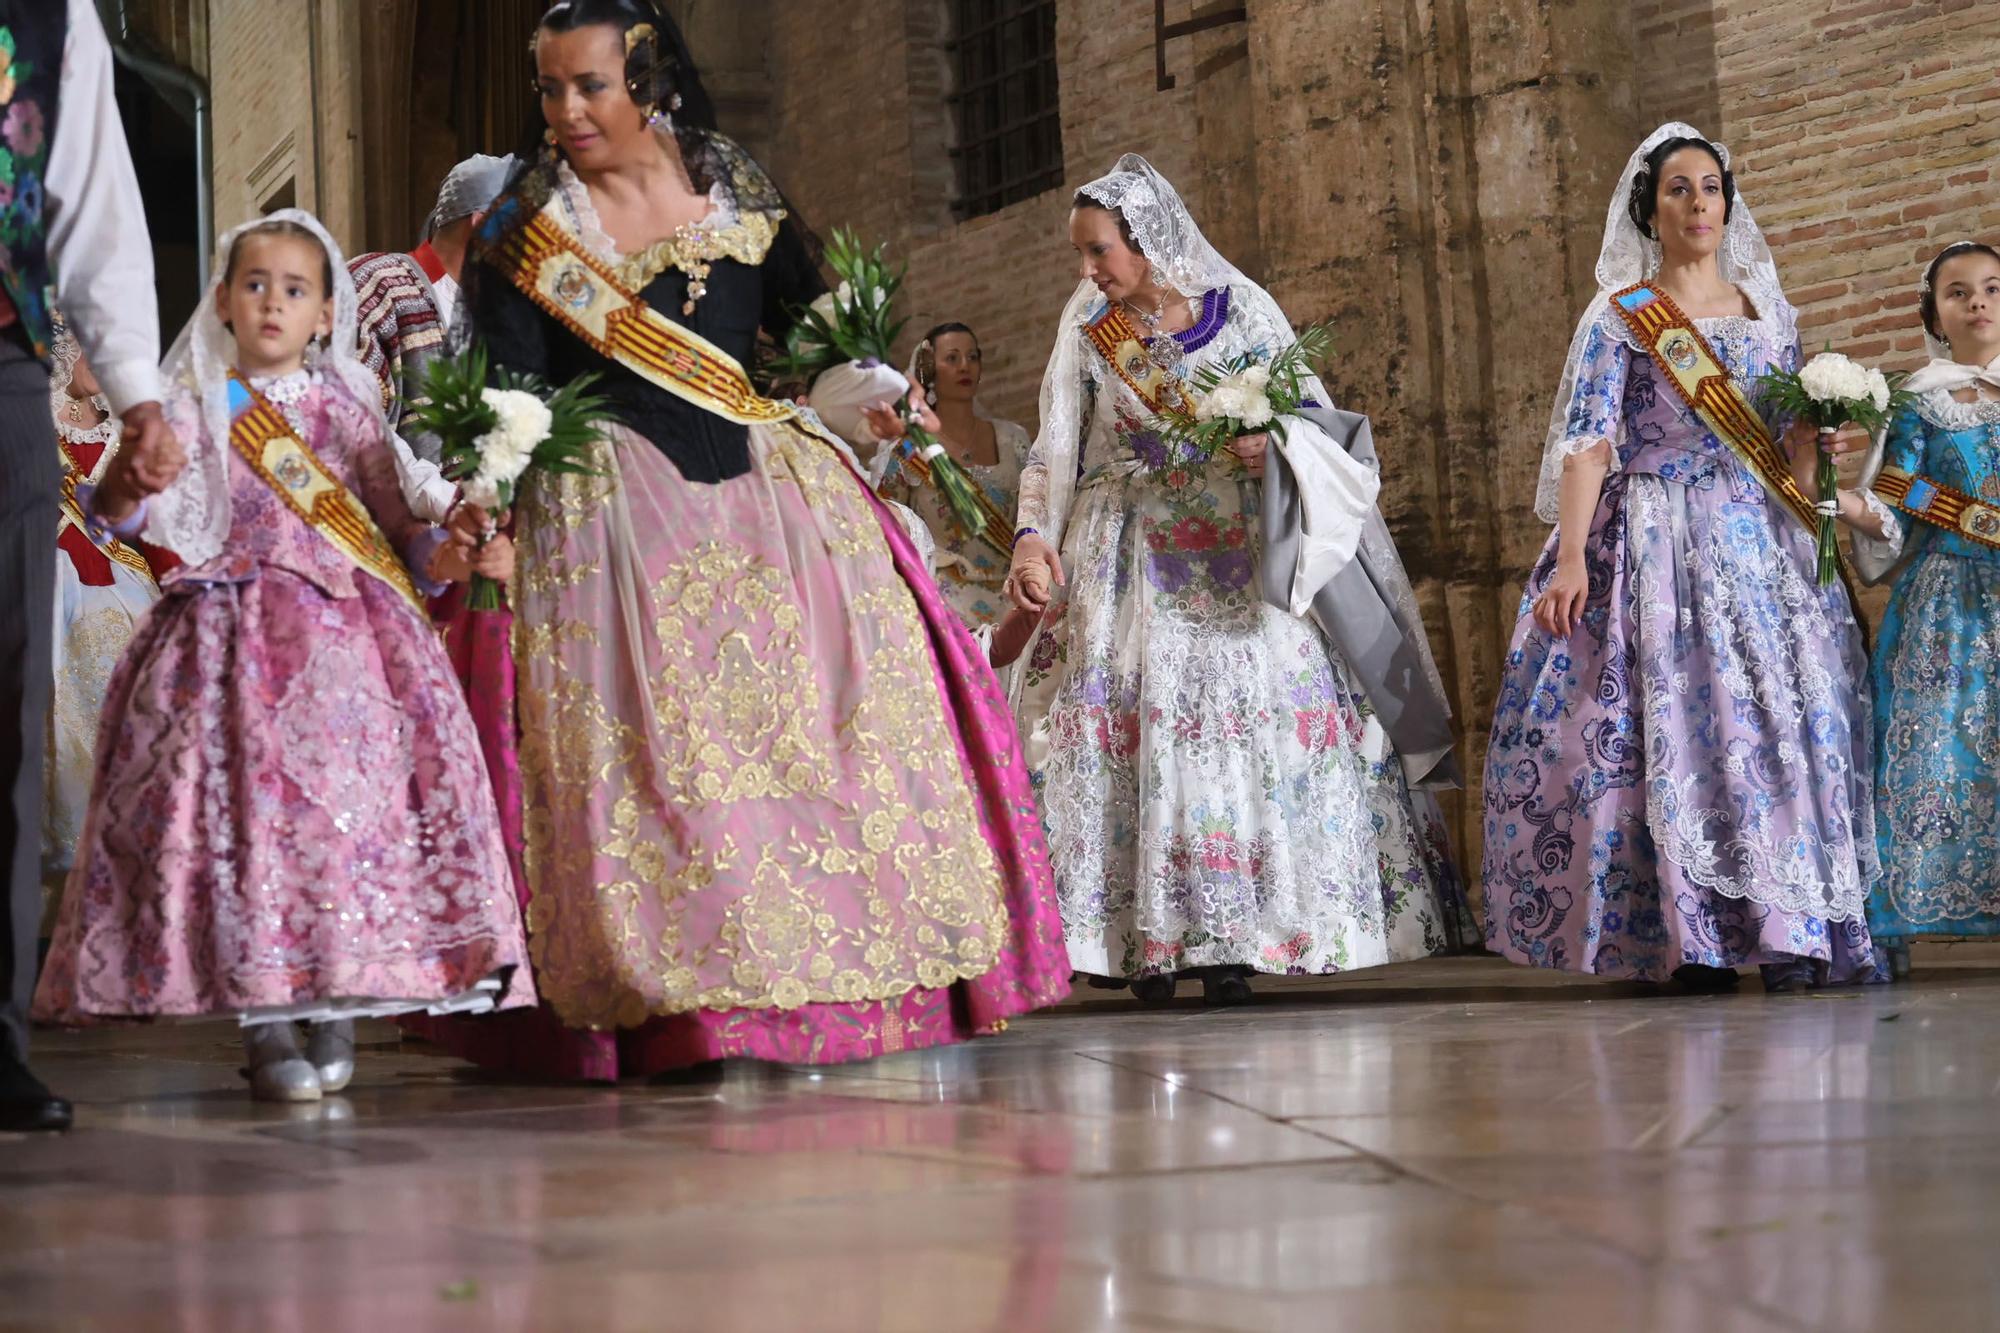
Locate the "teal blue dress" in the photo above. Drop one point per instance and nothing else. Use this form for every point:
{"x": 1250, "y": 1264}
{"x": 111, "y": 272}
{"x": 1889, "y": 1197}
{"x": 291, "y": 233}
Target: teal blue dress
{"x": 1937, "y": 693}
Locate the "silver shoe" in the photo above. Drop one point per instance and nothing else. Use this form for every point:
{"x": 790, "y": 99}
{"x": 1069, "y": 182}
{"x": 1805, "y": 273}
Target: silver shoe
{"x": 330, "y": 1049}
{"x": 278, "y": 1073}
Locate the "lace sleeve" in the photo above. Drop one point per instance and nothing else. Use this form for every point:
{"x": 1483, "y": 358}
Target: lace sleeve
{"x": 1595, "y": 411}
{"x": 1902, "y": 445}
{"x": 1892, "y": 525}
{"x": 1031, "y": 509}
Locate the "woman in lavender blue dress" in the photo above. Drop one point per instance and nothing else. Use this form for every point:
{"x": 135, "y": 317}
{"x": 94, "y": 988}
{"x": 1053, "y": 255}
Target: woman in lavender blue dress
{"x": 1679, "y": 777}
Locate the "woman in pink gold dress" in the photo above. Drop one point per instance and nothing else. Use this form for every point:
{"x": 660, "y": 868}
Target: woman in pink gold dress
{"x": 772, "y": 801}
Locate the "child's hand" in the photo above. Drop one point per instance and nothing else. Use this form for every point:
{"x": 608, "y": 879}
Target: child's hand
{"x": 495, "y": 560}
{"x": 451, "y": 563}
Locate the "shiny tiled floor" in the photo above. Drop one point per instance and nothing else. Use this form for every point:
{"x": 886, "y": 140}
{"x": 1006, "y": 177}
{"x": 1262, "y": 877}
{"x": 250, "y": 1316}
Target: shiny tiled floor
{"x": 1452, "y": 1145}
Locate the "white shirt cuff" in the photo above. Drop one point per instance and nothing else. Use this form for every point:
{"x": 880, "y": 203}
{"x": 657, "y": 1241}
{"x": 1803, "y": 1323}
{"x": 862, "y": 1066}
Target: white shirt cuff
{"x": 129, "y": 383}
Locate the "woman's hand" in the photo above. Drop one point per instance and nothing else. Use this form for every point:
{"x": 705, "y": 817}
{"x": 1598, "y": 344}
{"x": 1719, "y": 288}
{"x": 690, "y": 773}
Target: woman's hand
{"x": 1250, "y": 451}
{"x": 1029, "y": 579}
{"x": 887, "y": 422}
{"x": 1849, "y": 447}
{"x": 1560, "y": 606}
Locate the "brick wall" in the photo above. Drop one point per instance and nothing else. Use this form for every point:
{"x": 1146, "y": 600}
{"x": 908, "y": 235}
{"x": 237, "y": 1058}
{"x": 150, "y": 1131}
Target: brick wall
{"x": 1866, "y": 131}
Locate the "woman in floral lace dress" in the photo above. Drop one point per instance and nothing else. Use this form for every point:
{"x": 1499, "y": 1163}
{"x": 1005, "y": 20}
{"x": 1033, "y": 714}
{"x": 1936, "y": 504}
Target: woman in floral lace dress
{"x": 1678, "y": 782}
{"x": 1219, "y": 796}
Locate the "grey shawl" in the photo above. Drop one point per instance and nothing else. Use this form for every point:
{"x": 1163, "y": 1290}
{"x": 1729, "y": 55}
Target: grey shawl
{"x": 1368, "y": 610}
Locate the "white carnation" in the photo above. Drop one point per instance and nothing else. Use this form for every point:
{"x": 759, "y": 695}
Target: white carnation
{"x": 1833, "y": 378}
{"x": 523, "y": 422}
{"x": 481, "y": 492}
{"x": 1243, "y": 396}
{"x": 1878, "y": 390}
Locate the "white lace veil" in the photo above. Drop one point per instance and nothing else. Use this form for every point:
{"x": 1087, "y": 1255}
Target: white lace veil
{"x": 191, "y": 517}
{"x": 1628, "y": 256}
{"x": 1166, "y": 234}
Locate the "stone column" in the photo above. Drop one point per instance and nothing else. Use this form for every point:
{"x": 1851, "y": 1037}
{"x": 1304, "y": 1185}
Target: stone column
{"x": 1447, "y": 165}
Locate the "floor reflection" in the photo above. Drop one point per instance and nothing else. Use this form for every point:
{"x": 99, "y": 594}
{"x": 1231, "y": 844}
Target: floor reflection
{"x": 1445, "y": 1145}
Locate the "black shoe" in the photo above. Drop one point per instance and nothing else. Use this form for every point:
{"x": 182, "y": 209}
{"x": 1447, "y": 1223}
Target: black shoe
{"x": 1155, "y": 989}
{"x": 1700, "y": 979}
{"x": 26, "y": 1107}
{"x": 1226, "y": 986}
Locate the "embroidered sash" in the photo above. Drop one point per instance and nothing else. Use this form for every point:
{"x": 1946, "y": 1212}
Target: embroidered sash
{"x": 1112, "y": 334}
{"x": 554, "y": 269}
{"x": 73, "y": 517}
{"x": 1934, "y": 502}
{"x": 1696, "y": 374}
{"x": 266, "y": 441}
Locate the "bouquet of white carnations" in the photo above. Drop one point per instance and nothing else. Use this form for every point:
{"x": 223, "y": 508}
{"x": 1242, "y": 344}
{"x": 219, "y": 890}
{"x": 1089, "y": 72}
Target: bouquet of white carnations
{"x": 851, "y": 325}
{"x": 1829, "y": 391}
{"x": 1243, "y": 395}
{"x": 494, "y": 433}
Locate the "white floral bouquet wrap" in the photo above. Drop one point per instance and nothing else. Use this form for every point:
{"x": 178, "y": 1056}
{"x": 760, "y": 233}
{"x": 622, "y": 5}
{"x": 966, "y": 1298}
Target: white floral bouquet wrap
{"x": 494, "y": 433}
{"x": 847, "y": 333}
{"x": 1830, "y": 391}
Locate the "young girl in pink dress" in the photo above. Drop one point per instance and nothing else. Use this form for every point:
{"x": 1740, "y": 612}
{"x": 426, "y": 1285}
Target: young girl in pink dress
{"x": 290, "y": 818}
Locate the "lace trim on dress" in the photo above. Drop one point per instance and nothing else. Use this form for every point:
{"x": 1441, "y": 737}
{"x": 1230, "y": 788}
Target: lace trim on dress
{"x": 723, "y": 234}
{"x": 1892, "y": 526}
{"x": 104, "y": 432}
{"x": 1946, "y": 413}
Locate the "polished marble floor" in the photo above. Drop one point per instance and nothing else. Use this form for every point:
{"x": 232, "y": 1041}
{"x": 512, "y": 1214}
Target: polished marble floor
{"x": 1449, "y": 1145}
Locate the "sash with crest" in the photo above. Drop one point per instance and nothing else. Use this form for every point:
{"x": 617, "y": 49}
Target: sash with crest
{"x": 1697, "y": 376}
{"x": 1119, "y": 343}
{"x": 1936, "y": 503}
{"x": 73, "y": 516}
{"x": 266, "y": 441}
{"x": 552, "y": 267}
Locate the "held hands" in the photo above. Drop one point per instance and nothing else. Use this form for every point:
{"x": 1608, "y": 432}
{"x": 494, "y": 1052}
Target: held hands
{"x": 456, "y": 562}
{"x": 149, "y": 460}
{"x": 1560, "y": 607}
{"x": 1029, "y": 579}
{"x": 476, "y": 546}
{"x": 1250, "y": 451}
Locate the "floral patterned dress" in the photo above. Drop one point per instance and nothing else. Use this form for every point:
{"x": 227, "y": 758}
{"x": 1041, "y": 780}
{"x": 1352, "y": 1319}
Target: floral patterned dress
{"x": 1685, "y": 778}
{"x": 1938, "y": 787}
{"x": 969, "y": 571}
{"x": 1214, "y": 783}
{"x": 289, "y": 816}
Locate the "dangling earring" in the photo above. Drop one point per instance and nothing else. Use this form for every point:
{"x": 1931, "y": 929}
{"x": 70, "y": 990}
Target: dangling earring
{"x": 674, "y": 102}
{"x": 930, "y": 396}
{"x": 549, "y": 136}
